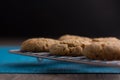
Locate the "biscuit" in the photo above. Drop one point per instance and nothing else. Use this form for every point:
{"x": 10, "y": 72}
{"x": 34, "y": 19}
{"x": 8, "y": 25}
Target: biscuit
{"x": 37, "y": 44}
{"x": 103, "y": 50}
{"x": 66, "y": 37}
{"x": 105, "y": 39}
{"x": 68, "y": 47}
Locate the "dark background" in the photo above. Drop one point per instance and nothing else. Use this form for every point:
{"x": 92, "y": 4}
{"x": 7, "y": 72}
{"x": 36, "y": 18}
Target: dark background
{"x": 52, "y": 18}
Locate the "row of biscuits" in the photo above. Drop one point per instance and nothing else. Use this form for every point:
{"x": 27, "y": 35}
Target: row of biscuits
{"x": 107, "y": 48}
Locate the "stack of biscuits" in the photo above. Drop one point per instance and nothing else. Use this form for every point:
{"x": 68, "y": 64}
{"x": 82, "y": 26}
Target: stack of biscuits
{"x": 106, "y": 48}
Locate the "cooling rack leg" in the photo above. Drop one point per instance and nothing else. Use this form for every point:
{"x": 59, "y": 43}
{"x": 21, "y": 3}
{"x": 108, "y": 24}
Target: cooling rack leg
{"x": 39, "y": 59}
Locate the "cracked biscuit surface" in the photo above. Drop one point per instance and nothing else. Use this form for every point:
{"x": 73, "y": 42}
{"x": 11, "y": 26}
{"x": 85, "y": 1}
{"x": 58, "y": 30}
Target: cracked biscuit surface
{"x": 109, "y": 50}
{"x": 69, "y": 47}
{"x": 66, "y": 37}
{"x": 37, "y": 44}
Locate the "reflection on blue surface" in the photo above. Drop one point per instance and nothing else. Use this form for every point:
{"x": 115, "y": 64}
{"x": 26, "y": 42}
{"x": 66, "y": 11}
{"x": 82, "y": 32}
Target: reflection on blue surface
{"x": 12, "y": 63}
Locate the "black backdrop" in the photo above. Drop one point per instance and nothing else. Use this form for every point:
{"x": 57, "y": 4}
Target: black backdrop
{"x": 33, "y": 18}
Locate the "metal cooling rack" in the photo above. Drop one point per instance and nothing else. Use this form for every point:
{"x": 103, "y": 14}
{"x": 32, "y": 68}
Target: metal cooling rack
{"x": 79, "y": 60}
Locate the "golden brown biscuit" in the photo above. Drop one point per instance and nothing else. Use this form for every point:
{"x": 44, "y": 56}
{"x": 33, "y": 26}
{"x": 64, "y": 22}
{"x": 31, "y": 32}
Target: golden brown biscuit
{"x": 103, "y": 50}
{"x": 69, "y": 47}
{"x": 37, "y": 44}
{"x": 105, "y": 39}
{"x": 66, "y": 37}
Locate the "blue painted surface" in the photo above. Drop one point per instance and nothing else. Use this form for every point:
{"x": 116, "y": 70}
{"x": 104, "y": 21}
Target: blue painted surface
{"x": 12, "y": 63}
